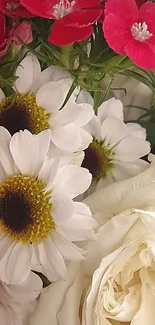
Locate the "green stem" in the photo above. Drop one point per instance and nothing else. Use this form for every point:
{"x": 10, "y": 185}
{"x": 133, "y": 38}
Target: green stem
{"x": 65, "y": 56}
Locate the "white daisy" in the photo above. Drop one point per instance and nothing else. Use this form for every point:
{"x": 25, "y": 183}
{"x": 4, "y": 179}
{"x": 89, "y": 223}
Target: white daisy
{"x": 37, "y": 103}
{"x": 39, "y": 221}
{"x": 17, "y": 302}
{"x": 116, "y": 148}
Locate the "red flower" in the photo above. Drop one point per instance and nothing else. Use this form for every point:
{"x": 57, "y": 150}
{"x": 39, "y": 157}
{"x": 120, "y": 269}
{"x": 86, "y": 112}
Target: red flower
{"x": 73, "y": 18}
{"x": 131, "y": 31}
{"x": 5, "y": 36}
{"x": 13, "y": 8}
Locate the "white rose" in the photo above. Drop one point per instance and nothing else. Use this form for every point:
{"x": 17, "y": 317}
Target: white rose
{"x": 123, "y": 287}
{"x": 120, "y": 264}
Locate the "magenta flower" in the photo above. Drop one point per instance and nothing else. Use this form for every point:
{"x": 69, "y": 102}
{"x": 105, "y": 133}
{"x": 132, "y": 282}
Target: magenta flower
{"x": 131, "y": 31}
{"x": 73, "y": 19}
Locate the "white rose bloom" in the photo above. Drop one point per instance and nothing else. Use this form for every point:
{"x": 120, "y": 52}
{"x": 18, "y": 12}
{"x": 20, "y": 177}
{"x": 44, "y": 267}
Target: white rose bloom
{"x": 121, "y": 259}
{"x": 114, "y": 153}
{"x": 37, "y": 105}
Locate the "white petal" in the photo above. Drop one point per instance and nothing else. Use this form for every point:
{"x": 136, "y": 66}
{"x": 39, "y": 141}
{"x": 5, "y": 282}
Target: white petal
{"x": 123, "y": 170}
{"x": 69, "y": 113}
{"x": 68, "y": 250}
{"x": 28, "y": 74}
{"x": 62, "y": 207}
{"x": 146, "y": 313}
{"x": 111, "y": 108}
{"x": 72, "y": 180}
{"x": 85, "y": 97}
{"x": 16, "y": 263}
{"x": 66, "y": 302}
{"x": 112, "y": 131}
{"x": 49, "y": 171}
{"x": 51, "y": 96}
{"x": 28, "y": 290}
{"x": 86, "y": 139}
{"x": 52, "y": 73}
{"x": 86, "y": 113}
{"x": 2, "y": 96}
{"x": 56, "y": 264}
{"x": 6, "y": 160}
{"x": 131, "y": 148}
{"x": 66, "y": 137}
{"x": 29, "y": 151}
{"x": 81, "y": 225}
{"x": 136, "y": 130}
{"x": 94, "y": 127}
{"x": 5, "y": 243}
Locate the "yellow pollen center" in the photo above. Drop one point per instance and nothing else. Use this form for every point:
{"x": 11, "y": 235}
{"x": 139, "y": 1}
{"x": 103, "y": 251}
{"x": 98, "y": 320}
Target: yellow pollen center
{"x": 25, "y": 209}
{"x": 21, "y": 112}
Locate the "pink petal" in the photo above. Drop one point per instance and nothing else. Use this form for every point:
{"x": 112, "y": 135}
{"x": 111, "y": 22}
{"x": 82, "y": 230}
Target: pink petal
{"x": 141, "y": 54}
{"x": 81, "y": 18}
{"x": 19, "y": 11}
{"x": 86, "y": 3}
{"x": 63, "y": 35}
{"x": 42, "y": 8}
{"x": 116, "y": 32}
{"x": 147, "y": 14}
{"x": 125, "y": 9}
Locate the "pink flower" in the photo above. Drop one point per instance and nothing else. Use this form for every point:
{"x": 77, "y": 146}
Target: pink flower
{"x": 24, "y": 32}
{"x": 13, "y": 8}
{"x": 131, "y": 31}
{"x": 73, "y": 18}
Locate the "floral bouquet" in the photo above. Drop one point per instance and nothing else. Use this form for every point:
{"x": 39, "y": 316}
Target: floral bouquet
{"x": 77, "y": 170}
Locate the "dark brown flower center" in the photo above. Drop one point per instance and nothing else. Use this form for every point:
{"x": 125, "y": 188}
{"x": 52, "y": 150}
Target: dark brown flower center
{"x": 22, "y": 113}
{"x": 97, "y": 159}
{"x": 25, "y": 209}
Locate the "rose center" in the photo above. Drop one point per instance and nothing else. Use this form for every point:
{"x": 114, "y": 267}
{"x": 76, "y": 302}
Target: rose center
{"x": 97, "y": 159}
{"x": 63, "y": 8}
{"x": 140, "y": 32}
{"x": 22, "y": 113}
{"x": 25, "y": 209}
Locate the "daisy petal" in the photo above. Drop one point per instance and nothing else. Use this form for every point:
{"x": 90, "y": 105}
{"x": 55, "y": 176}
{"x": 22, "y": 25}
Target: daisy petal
{"x": 131, "y": 148}
{"x": 29, "y": 151}
{"x": 28, "y": 74}
{"x": 56, "y": 265}
{"x": 62, "y": 208}
{"x": 52, "y": 73}
{"x": 51, "y": 95}
{"x": 66, "y": 137}
{"x": 68, "y": 250}
{"x": 28, "y": 290}
{"x": 9, "y": 272}
{"x": 6, "y": 160}
{"x": 2, "y": 96}
{"x": 113, "y": 131}
{"x": 73, "y": 180}
{"x": 111, "y": 108}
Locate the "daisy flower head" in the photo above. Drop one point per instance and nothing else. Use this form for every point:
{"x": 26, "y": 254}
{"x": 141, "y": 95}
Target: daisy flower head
{"x": 37, "y": 105}
{"x": 39, "y": 221}
{"x": 130, "y": 30}
{"x": 17, "y": 302}
{"x": 116, "y": 148}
